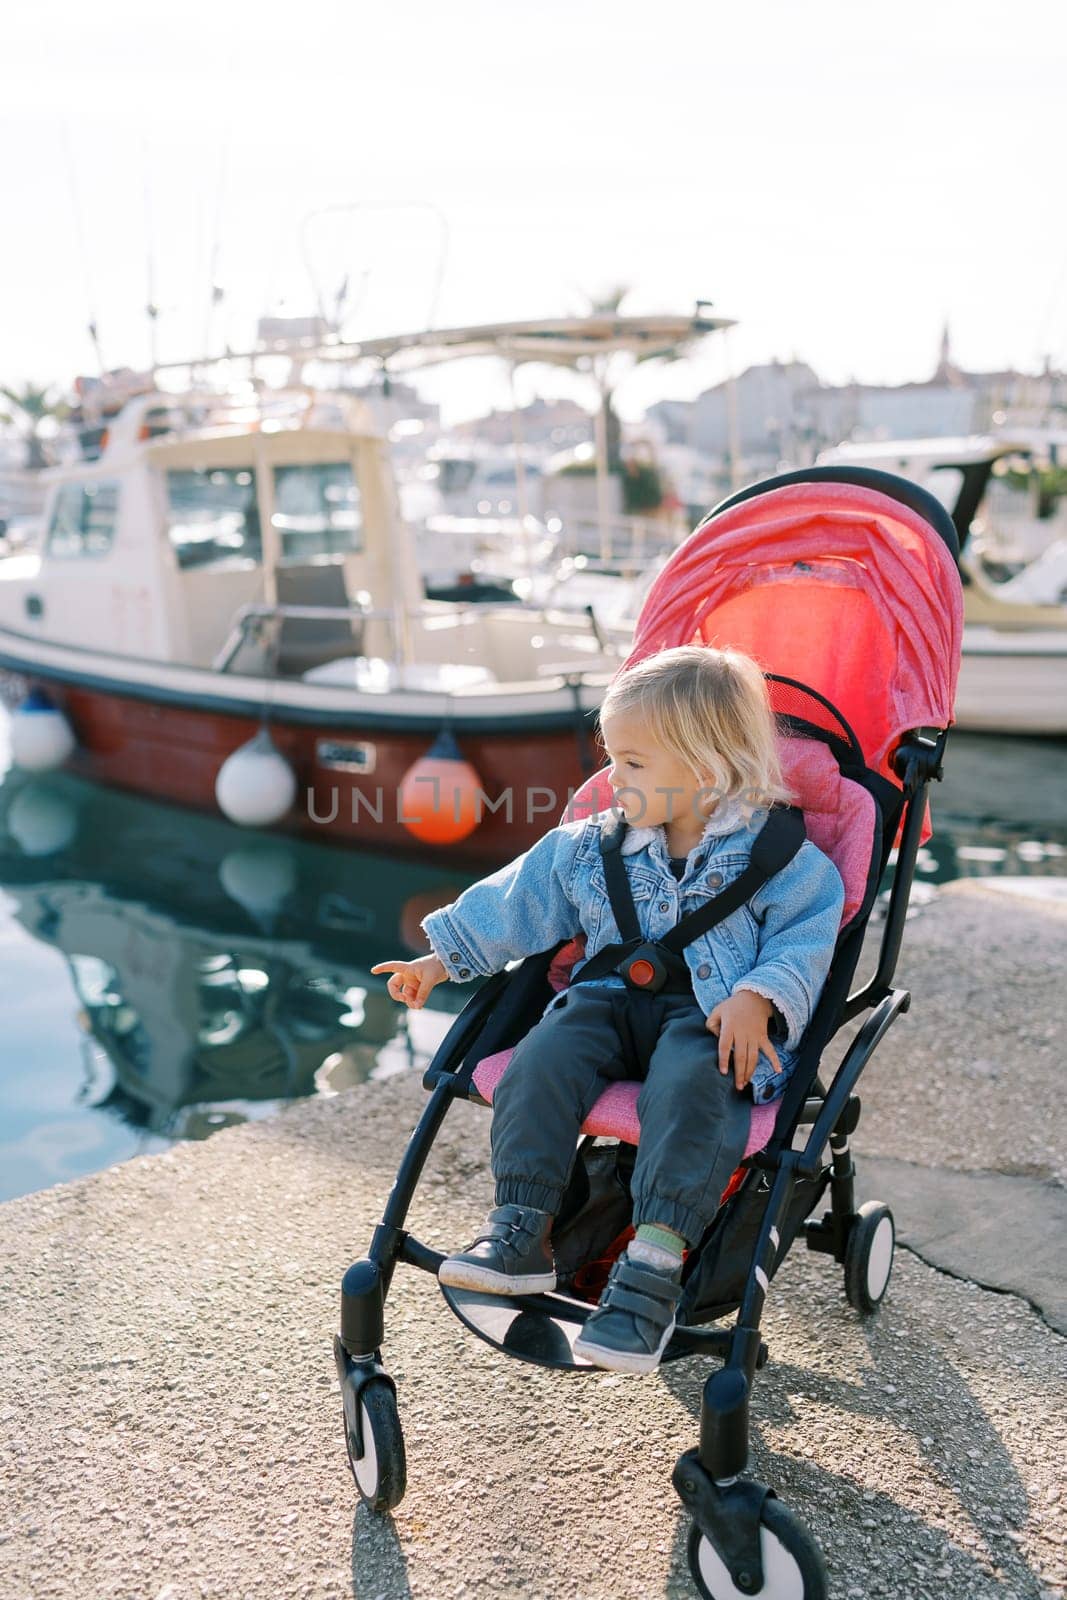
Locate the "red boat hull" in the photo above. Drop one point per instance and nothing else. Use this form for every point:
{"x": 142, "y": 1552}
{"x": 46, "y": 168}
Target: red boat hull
{"x": 174, "y": 752}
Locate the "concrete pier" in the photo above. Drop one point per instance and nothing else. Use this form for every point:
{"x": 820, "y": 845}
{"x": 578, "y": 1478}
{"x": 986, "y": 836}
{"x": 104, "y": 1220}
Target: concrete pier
{"x": 169, "y": 1417}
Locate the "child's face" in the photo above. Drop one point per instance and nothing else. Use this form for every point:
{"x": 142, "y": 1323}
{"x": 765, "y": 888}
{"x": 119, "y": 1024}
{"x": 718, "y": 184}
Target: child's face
{"x": 652, "y": 785}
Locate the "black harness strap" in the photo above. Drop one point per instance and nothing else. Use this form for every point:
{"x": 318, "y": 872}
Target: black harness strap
{"x": 656, "y": 965}
{"x": 773, "y": 848}
{"x": 622, "y": 901}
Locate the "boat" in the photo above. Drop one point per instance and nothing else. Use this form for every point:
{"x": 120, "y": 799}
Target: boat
{"x": 1014, "y": 673}
{"x": 243, "y": 567}
{"x": 227, "y": 611}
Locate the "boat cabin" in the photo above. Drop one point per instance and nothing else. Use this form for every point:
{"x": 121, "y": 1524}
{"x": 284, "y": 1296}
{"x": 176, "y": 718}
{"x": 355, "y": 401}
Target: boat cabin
{"x": 192, "y": 512}
{"x": 259, "y": 536}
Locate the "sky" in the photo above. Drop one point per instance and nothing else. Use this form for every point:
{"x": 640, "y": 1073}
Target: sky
{"x": 841, "y": 178}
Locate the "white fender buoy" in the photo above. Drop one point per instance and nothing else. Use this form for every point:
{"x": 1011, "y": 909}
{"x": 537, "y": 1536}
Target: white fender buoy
{"x": 41, "y": 736}
{"x": 255, "y": 785}
{"x": 259, "y": 877}
{"x": 41, "y": 820}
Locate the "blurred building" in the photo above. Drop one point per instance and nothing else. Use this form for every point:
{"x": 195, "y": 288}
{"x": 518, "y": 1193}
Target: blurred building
{"x": 555, "y": 424}
{"x": 781, "y": 412}
{"x": 761, "y": 414}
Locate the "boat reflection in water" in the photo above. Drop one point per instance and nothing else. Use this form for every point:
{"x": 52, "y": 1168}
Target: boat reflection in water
{"x": 212, "y": 972}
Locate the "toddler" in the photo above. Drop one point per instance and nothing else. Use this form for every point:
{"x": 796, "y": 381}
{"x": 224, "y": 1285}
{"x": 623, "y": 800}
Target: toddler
{"x": 694, "y": 770}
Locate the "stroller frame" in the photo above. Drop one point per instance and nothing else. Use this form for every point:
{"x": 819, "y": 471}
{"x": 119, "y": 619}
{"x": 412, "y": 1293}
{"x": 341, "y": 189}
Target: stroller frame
{"x": 729, "y": 1515}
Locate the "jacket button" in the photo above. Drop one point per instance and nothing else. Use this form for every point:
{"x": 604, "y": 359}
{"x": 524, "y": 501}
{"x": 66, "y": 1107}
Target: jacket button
{"x": 454, "y": 957}
{"x": 464, "y": 972}
{"x": 703, "y": 971}
{"x": 665, "y": 905}
{"x": 715, "y": 880}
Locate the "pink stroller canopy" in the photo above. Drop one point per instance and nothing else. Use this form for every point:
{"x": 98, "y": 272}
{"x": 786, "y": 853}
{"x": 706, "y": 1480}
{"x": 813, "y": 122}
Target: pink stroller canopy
{"x": 845, "y": 589}
{"x": 839, "y": 586}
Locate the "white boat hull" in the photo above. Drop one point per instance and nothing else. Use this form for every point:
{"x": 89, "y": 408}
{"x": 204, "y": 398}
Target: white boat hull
{"x": 1013, "y": 682}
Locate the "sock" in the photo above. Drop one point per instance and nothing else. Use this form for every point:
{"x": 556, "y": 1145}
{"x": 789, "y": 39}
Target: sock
{"x": 657, "y": 1247}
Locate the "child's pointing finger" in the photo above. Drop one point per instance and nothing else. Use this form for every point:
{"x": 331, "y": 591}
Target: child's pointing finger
{"x": 403, "y": 984}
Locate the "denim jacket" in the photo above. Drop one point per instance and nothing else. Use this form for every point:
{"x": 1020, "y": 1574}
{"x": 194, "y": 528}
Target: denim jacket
{"x": 779, "y": 944}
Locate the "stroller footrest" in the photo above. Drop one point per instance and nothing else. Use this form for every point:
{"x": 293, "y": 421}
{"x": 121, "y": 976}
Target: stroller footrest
{"x": 542, "y": 1328}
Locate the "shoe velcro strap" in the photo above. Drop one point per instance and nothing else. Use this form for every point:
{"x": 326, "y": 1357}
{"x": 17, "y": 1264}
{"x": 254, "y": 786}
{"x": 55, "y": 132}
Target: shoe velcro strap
{"x": 505, "y": 1221}
{"x": 499, "y": 1233}
{"x": 628, "y": 1275}
{"x": 641, "y": 1305}
{"x": 496, "y": 1229}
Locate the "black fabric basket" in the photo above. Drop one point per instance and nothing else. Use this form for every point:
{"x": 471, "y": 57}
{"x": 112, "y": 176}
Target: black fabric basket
{"x": 715, "y": 1281}
{"x": 596, "y": 1207}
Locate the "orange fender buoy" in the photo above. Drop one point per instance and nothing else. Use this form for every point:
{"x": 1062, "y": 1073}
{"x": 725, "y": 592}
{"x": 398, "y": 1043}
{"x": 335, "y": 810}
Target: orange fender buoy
{"x": 441, "y": 794}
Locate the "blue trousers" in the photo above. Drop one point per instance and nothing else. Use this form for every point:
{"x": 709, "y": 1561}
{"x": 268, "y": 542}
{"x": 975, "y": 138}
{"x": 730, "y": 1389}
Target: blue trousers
{"x": 694, "y": 1120}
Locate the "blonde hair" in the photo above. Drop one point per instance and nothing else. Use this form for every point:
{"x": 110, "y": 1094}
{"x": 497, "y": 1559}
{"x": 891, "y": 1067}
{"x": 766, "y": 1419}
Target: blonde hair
{"x": 710, "y": 708}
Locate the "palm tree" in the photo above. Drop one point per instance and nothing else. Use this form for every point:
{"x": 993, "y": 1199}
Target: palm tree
{"x": 32, "y": 406}
{"x": 607, "y": 302}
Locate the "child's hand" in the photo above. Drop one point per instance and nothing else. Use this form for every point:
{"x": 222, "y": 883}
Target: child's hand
{"x": 412, "y": 981}
{"x": 741, "y": 1024}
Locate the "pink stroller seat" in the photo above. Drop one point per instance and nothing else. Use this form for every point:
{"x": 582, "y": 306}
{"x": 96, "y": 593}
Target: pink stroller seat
{"x": 615, "y": 1114}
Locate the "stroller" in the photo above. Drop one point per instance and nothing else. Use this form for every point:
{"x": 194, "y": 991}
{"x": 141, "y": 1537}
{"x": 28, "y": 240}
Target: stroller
{"x": 843, "y": 584}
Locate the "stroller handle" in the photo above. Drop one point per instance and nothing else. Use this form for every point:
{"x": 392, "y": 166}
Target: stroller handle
{"x": 917, "y": 761}
{"x": 896, "y": 488}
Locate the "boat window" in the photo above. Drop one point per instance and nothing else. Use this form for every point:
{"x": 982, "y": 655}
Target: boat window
{"x": 1018, "y": 500}
{"x": 83, "y": 519}
{"x": 213, "y": 515}
{"x": 509, "y": 476}
{"x": 454, "y": 475}
{"x": 317, "y": 510}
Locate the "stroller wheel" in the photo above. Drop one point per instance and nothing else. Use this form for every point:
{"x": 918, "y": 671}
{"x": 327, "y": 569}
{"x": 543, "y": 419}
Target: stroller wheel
{"x": 380, "y": 1470}
{"x": 869, "y": 1256}
{"x": 792, "y": 1562}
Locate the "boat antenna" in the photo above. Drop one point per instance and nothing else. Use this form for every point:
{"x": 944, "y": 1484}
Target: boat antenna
{"x": 1045, "y": 328}
{"x": 360, "y": 206}
{"x": 216, "y": 292}
{"x": 151, "y": 305}
{"x": 339, "y": 303}
{"x": 439, "y": 278}
{"x": 79, "y": 225}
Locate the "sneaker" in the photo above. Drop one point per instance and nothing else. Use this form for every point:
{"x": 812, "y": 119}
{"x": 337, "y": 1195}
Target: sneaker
{"x": 632, "y": 1325}
{"x": 512, "y": 1255}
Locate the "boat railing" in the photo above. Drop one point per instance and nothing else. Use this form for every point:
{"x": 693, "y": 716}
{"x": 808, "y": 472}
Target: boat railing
{"x": 263, "y": 621}
{"x": 629, "y": 542}
{"x": 199, "y": 412}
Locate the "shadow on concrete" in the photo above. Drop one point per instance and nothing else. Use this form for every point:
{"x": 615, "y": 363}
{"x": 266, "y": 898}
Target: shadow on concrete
{"x": 907, "y": 1389}
{"x": 379, "y": 1567}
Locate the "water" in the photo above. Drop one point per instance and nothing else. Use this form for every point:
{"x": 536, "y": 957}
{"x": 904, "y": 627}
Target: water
{"x": 165, "y": 974}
